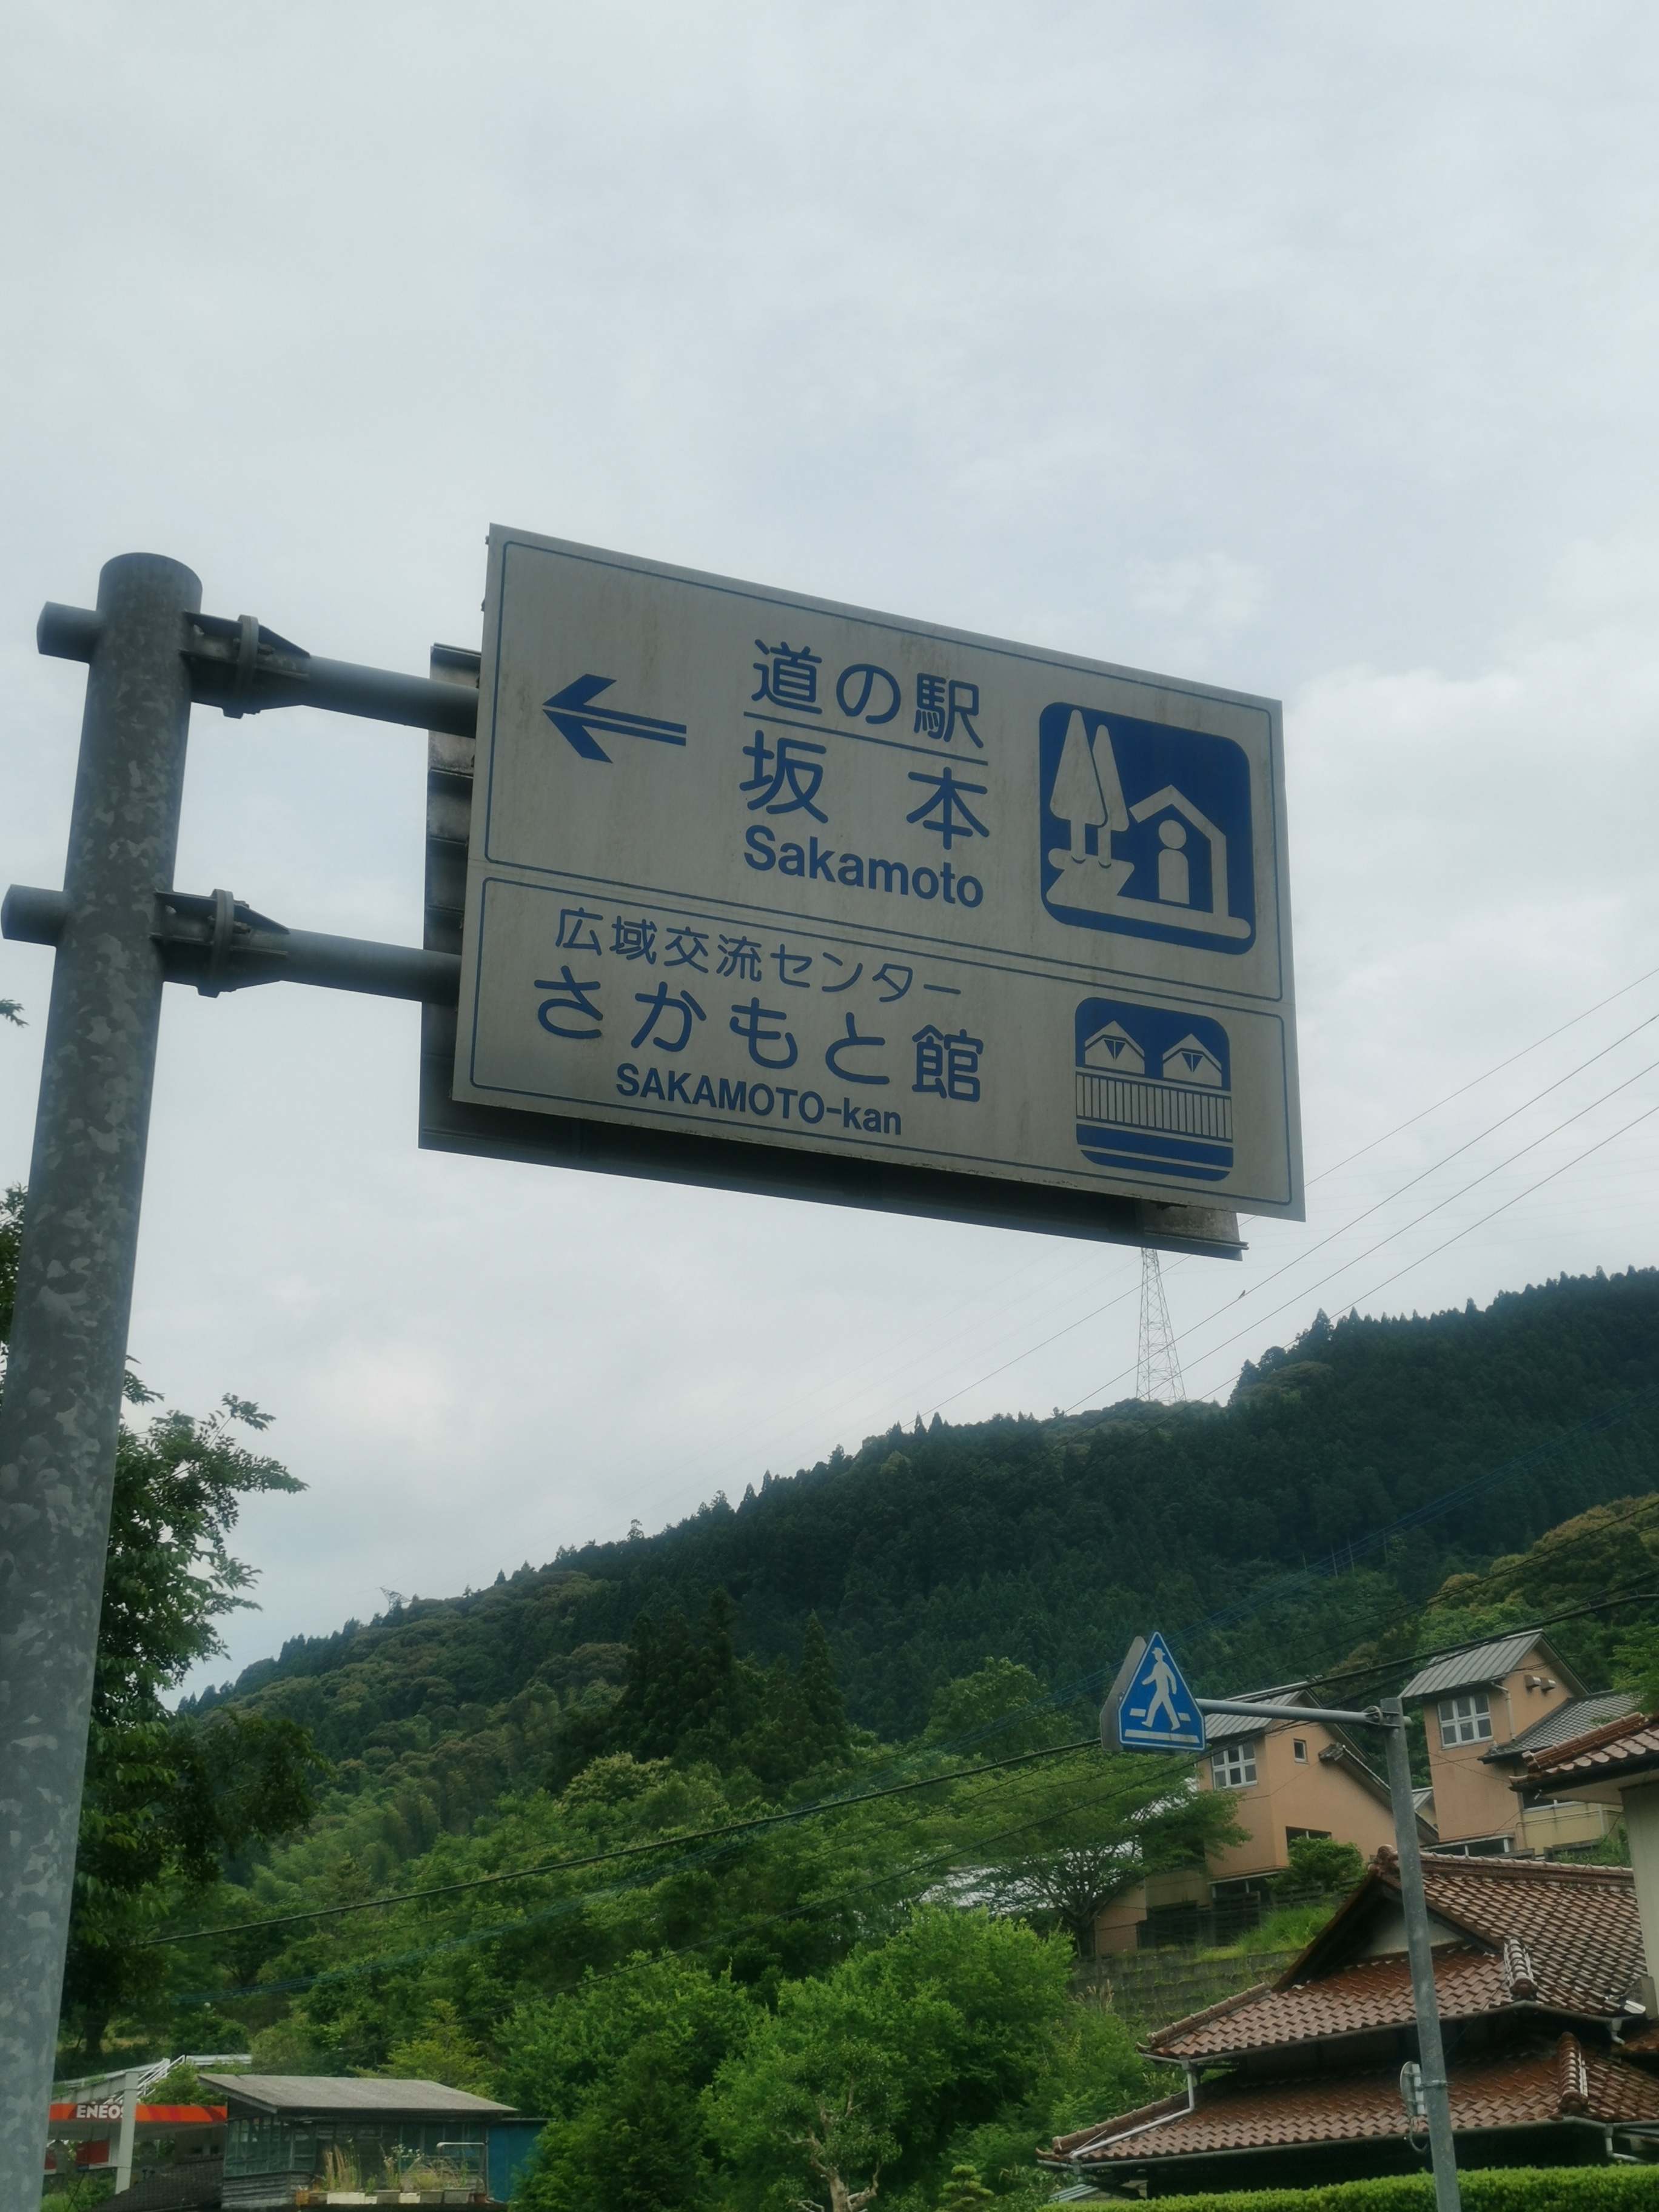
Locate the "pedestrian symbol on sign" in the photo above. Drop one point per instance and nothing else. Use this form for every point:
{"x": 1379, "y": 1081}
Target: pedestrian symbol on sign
{"x": 1155, "y": 1710}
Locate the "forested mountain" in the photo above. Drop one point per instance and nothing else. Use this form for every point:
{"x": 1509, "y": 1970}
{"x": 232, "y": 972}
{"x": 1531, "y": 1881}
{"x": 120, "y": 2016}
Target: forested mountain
{"x": 1266, "y": 1537}
{"x": 654, "y": 1838}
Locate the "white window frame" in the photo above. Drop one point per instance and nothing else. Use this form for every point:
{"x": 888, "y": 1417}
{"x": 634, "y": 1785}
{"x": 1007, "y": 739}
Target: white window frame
{"x": 1299, "y": 1749}
{"x": 1465, "y": 1719}
{"x": 1233, "y": 1765}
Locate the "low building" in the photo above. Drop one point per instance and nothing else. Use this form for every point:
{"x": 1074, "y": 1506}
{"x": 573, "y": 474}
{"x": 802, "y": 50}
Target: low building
{"x": 1614, "y": 1768}
{"x": 1484, "y": 1711}
{"x": 1297, "y": 2082}
{"x": 83, "y": 2126}
{"x": 1291, "y": 1779}
{"x": 288, "y": 2133}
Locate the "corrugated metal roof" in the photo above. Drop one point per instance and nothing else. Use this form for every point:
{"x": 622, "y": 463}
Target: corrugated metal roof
{"x": 1579, "y": 1717}
{"x": 1487, "y": 1662}
{"x": 327, "y": 2093}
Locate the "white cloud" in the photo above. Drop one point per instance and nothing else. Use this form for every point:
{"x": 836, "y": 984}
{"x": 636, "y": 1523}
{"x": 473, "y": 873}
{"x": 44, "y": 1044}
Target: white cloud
{"x": 1309, "y": 350}
{"x": 1212, "y": 590}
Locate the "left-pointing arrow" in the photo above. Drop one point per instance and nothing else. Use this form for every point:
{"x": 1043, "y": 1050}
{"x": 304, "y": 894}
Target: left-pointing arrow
{"x": 574, "y": 718}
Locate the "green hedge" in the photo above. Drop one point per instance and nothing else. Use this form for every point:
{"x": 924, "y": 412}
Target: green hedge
{"x": 1488, "y": 2189}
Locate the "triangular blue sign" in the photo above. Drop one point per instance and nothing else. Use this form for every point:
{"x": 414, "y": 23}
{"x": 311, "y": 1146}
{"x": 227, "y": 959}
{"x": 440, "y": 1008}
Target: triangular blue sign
{"x": 1159, "y": 1712}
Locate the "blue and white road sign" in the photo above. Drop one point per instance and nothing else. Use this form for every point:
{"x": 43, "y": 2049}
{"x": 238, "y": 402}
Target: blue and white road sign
{"x": 750, "y": 867}
{"x": 1158, "y": 1712}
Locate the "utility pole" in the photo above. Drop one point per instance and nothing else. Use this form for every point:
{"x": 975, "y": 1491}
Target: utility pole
{"x": 1172, "y": 1718}
{"x": 1429, "y": 2048}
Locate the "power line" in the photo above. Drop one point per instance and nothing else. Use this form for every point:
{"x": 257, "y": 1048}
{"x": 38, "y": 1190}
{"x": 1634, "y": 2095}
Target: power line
{"x": 935, "y": 1862}
{"x": 623, "y": 1851}
{"x": 1428, "y": 1213}
{"x": 938, "y": 1404}
{"x": 1307, "y": 1251}
{"x": 1431, "y": 1510}
{"x": 1474, "y": 1081}
{"x": 726, "y": 1830}
{"x": 803, "y": 1910}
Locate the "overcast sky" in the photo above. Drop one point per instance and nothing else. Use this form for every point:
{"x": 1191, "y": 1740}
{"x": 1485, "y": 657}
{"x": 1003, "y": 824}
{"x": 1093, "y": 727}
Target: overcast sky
{"x": 1309, "y": 350}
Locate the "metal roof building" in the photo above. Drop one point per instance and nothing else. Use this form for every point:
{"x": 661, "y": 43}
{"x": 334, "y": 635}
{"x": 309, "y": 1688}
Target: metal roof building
{"x": 288, "y": 2132}
{"x": 1486, "y": 1663}
{"x": 1579, "y": 1716}
{"x": 1219, "y": 1727}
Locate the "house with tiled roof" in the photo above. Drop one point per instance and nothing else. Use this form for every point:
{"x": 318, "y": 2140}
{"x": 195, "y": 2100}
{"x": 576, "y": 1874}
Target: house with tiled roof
{"x": 1615, "y": 1768}
{"x": 1297, "y": 2082}
{"x": 1290, "y": 1779}
{"x": 1485, "y": 1711}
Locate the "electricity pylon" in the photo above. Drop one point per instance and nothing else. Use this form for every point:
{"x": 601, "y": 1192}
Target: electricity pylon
{"x": 1157, "y": 1363}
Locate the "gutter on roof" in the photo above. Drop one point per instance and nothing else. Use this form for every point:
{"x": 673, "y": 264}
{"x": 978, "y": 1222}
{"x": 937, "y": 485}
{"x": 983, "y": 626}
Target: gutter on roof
{"x": 1499, "y": 2128}
{"x": 1145, "y": 2127}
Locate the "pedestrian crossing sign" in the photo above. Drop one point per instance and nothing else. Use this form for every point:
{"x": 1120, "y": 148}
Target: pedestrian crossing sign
{"x": 1156, "y": 1711}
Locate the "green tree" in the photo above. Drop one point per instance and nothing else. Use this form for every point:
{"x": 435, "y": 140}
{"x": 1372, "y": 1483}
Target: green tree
{"x": 964, "y": 2192}
{"x": 440, "y": 2049}
{"x": 820, "y": 1694}
{"x": 622, "y": 2063}
{"x": 1094, "y": 1827}
{"x": 1319, "y": 1864}
{"x": 11, "y": 1247}
{"x": 998, "y": 1710}
{"x": 869, "y": 2070}
{"x": 165, "y": 1802}
{"x": 692, "y": 1698}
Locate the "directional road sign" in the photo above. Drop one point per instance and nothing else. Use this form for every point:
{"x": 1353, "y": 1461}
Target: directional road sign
{"x": 932, "y": 913}
{"x": 1151, "y": 1706}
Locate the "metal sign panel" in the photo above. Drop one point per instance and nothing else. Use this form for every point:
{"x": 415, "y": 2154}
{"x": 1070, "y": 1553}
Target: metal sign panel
{"x": 815, "y": 882}
{"x": 1155, "y": 1710}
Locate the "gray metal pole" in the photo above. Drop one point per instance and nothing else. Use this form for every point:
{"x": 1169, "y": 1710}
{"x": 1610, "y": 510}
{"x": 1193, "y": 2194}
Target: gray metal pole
{"x": 1430, "y": 2054}
{"x": 63, "y": 1392}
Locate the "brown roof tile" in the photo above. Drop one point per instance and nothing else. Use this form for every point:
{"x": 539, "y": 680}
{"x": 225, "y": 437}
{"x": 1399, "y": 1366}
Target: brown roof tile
{"x": 1566, "y": 1937}
{"x": 1602, "y": 1753}
{"x": 1373, "y": 1993}
{"x": 1548, "y": 2082}
{"x": 1577, "y": 1924}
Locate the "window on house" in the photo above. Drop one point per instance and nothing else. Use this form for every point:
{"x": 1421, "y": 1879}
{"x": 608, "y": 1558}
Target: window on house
{"x": 1465, "y": 1720}
{"x": 1299, "y": 1747}
{"x": 1307, "y": 1836}
{"x": 1233, "y": 1766}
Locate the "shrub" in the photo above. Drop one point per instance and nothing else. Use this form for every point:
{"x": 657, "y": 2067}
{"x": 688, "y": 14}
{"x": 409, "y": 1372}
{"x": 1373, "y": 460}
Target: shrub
{"x": 1489, "y": 2189}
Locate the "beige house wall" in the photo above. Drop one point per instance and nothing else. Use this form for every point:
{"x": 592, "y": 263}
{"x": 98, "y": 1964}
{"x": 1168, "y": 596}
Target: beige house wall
{"x": 1553, "y": 1827}
{"x": 1292, "y": 1793}
{"x": 1115, "y": 1930}
{"x": 1471, "y": 1799}
{"x": 1287, "y": 1793}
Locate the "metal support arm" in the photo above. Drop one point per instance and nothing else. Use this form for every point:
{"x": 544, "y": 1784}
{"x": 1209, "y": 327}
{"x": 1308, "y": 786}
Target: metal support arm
{"x": 218, "y": 943}
{"x": 1369, "y": 1718}
{"x": 242, "y": 669}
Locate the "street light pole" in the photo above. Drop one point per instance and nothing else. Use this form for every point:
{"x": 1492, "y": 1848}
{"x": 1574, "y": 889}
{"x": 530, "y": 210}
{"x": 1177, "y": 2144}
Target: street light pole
{"x": 1429, "y": 2049}
{"x": 1389, "y": 1715}
{"x": 62, "y": 1407}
